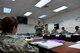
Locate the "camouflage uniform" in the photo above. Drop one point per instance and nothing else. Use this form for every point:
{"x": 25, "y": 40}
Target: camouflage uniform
{"x": 46, "y": 32}
{"x": 77, "y": 31}
{"x": 39, "y": 29}
{"x": 15, "y": 44}
{"x": 54, "y": 32}
{"x": 64, "y": 32}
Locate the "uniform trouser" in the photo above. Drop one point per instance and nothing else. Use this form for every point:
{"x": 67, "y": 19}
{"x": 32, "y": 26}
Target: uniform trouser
{"x": 39, "y": 33}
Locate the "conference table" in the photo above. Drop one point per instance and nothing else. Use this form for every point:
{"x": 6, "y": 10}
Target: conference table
{"x": 61, "y": 49}
{"x": 65, "y": 48}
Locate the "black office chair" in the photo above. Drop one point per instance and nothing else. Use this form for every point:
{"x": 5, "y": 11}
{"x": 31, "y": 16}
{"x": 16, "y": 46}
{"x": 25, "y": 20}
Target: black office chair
{"x": 75, "y": 38}
{"x": 52, "y": 36}
{"x": 78, "y": 38}
{"x": 68, "y": 39}
{"x": 62, "y": 37}
{"x": 45, "y": 37}
{"x": 57, "y": 36}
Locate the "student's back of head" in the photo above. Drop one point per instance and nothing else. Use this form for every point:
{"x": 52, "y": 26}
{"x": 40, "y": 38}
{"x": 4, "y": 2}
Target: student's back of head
{"x": 63, "y": 28}
{"x": 76, "y": 27}
{"x": 11, "y": 42}
{"x": 9, "y": 25}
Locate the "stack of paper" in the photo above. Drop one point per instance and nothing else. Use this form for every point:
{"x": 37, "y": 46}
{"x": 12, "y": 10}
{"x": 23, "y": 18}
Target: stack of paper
{"x": 78, "y": 42}
{"x": 77, "y": 46}
{"x": 48, "y": 44}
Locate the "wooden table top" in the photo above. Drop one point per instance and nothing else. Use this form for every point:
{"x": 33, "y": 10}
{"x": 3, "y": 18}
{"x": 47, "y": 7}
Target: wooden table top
{"x": 64, "y": 48}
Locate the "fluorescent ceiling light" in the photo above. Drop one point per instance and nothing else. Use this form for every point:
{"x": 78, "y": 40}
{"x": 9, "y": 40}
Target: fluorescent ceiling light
{"x": 6, "y": 10}
{"x": 27, "y": 13}
{"x": 41, "y": 3}
{"x": 13, "y": 0}
{"x": 42, "y": 16}
{"x": 60, "y": 9}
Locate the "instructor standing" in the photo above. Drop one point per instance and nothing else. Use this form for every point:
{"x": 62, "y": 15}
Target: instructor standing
{"x": 39, "y": 27}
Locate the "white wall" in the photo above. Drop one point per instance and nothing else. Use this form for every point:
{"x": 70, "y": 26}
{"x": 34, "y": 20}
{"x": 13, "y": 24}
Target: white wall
{"x": 25, "y": 28}
{"x": 2, "y": 16}
{"x": 50, "y": 26}
{"x": 69, "y": 20}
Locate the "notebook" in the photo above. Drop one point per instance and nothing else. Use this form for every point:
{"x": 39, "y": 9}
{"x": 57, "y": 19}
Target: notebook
{"x": 48, "y": 44}
{"x": 77, "y": 46}
{"x": 78, "y": 42}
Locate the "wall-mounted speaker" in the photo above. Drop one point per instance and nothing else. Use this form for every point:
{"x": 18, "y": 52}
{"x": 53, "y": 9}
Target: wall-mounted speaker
{"x": 56, "y": 26}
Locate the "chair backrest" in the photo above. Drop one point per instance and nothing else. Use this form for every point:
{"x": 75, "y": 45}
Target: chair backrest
{"x": 62, "y": 37}
{"x": 45, "y": 37}
{"x": 52, "y": 36}
{"x": 75, "y": 38}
